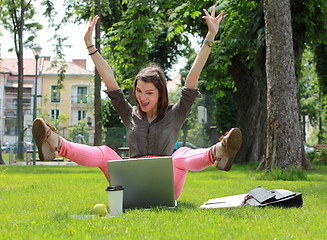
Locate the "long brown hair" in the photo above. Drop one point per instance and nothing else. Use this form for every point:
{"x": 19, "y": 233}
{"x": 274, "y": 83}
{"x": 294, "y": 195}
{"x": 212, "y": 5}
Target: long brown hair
{"x": 153, "y": 73}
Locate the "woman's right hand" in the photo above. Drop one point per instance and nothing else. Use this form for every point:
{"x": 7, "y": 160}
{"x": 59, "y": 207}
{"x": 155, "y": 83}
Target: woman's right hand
{"x": 89, "y": 32}
{"x": 101, "y": 65}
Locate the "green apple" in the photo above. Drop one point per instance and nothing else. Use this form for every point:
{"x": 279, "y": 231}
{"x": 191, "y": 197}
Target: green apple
{"x": 100, "y": 209}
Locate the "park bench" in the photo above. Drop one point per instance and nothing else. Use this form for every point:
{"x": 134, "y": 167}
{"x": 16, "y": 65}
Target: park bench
{"x": 29, "y": 157}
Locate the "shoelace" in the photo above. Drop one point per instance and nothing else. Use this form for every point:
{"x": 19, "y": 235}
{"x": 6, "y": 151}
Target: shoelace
{"x": 49, "y": 131}
{"x": 223, "y": 142}
{"x": 52, "y": 128}
{"x": 222, "y": 137}
{"x": 46, "y": 140}
{"x": 224, "y": 145}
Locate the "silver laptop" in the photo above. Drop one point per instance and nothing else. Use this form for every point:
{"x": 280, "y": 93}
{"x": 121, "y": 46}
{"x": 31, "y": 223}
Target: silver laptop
{"x": 147, "y": 182}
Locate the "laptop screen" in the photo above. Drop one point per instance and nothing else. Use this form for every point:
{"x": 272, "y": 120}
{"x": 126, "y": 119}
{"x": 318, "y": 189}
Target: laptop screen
{"x": 147, "y": 182}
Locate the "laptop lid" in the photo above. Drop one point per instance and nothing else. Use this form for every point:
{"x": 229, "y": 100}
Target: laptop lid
{"x": 147, "y": 182}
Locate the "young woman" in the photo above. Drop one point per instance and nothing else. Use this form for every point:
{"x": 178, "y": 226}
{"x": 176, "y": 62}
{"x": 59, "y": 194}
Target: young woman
{"x": 153, "y": 125}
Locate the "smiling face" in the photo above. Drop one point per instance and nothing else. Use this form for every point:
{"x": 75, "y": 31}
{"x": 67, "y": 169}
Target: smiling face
{"x": 147, "y": 96}
{"x": 150, "y": 91}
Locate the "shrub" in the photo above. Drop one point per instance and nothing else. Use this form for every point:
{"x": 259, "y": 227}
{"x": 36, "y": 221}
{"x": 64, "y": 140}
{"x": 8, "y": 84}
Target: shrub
{"x": 318, "y": 157}
{"x": 312, "y": 156}
{"x": 323, "y": 156}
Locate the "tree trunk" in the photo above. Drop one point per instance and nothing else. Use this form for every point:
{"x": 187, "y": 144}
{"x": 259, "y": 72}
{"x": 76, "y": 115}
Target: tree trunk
{"x": 20, "y": 89}
{"x": 97, "y": 85}
{"x": 1, "y": 159}
{"x": 284, "y": 138}
{"x": 252, "y": 110}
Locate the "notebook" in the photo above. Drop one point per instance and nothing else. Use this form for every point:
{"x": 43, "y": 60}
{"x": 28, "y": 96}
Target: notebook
{"x": 147, "y": 182}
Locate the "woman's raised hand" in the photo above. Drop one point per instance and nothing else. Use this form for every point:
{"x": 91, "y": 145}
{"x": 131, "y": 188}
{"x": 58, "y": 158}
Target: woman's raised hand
{"x": 89, "y": 32}
{"x": 212, "y": 21}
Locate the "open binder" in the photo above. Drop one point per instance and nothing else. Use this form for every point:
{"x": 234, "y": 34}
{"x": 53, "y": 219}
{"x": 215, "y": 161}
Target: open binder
{"x": 258, "y": 197}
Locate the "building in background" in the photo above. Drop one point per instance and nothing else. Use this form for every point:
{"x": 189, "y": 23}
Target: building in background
{"x": 75, "y": 99}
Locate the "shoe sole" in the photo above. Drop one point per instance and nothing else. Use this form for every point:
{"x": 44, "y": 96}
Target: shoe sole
{"x": 234, "y": 143}
{"x": 39, "y": 135}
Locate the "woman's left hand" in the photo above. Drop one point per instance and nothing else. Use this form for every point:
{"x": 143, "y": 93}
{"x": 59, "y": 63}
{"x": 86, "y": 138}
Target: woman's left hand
{"x": 212, "y": 21}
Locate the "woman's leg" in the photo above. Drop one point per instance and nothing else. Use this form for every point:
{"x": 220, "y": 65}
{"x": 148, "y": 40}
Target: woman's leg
{"x": 221, "y": 154}
{"x": 50, "y": 144}
{"x": 185, "y": 159}
{"x": 88, "y": 156}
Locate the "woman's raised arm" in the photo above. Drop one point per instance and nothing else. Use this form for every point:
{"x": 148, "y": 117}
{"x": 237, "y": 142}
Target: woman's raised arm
{"x": 213, "y": 27}
{"x": 102, "y": 66}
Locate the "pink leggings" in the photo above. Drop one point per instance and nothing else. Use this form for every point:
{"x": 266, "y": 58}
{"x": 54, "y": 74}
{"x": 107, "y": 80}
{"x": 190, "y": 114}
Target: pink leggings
{"x": 184, "y": 159}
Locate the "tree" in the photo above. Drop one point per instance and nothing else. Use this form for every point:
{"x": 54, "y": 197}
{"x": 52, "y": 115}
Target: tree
{"x": 14, "y": 16}
{"x": 97, "y": 83}
{"x": 284, "y": 139}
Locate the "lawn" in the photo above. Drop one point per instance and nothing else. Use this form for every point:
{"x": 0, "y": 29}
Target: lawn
{"x": 38, "y": 202}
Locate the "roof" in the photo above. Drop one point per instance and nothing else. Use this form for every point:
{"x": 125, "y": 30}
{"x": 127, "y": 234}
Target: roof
{"x": 10, "y": 66}
{"x": 72, "y": 68}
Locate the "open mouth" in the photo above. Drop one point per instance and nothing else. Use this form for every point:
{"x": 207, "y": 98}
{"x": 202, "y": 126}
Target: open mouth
{"x": 144, "y": 104}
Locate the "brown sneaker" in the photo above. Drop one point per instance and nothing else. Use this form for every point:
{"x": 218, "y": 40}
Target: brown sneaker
{"x": 231, "y": 141}
{"x": 47, "y": 141}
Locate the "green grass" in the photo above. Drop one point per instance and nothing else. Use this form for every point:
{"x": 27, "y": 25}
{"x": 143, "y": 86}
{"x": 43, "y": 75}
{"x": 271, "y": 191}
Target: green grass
{"x": 36, "y": 202}
{"x": 290, "y": 174}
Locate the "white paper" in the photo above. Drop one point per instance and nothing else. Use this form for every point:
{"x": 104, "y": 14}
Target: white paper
{"x": 224, "y": 202}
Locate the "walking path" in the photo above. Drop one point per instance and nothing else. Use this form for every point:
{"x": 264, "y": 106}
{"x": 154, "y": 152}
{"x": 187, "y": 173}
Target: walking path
{"x": 45, "y": 163}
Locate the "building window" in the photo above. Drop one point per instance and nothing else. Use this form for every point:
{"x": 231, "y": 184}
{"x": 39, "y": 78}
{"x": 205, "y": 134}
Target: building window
{"x": 81, "y": 94}
{"x": 54, "y": 113}
{"x": 55, "y": 94}
{"x": 81, "y": 115}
